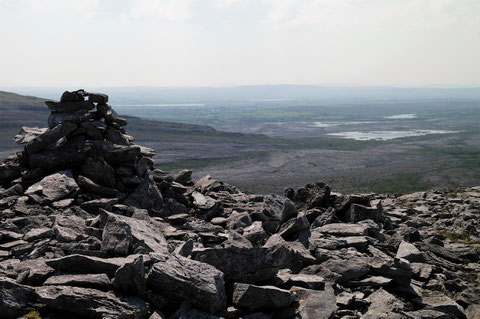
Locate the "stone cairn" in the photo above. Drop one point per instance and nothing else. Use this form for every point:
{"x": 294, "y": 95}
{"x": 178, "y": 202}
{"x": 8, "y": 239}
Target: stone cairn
{"x": 85, "y": 140}
{"x": 90, "y": 229}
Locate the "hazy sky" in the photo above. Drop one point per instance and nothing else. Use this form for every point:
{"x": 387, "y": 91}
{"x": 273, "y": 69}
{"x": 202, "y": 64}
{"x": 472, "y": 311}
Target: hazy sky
{"x": 233, "y": 42}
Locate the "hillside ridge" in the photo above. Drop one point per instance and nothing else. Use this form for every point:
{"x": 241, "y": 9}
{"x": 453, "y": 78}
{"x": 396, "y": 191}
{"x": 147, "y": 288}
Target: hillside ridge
{"x": 91, "y": 229}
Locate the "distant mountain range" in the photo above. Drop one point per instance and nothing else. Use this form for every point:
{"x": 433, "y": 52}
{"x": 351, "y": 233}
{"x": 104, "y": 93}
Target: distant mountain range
{"x": 279, "y": 94}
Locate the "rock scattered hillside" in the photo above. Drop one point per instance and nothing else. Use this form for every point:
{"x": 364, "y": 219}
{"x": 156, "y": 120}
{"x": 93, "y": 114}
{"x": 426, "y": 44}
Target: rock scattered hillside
{"x": 90, "y": 229}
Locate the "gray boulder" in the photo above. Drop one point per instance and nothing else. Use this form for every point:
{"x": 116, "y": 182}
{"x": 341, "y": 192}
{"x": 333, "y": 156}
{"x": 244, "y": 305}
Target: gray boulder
{"x": 53, "y": 187}
{"x": 409, "y": 252}
{"x": 147, "y": 196}
{"x": 131, "y": 277}
{"x": 116, "y": 236}
{"x": 15, "y": 299}
{"x": 146, "y": 234}
{"x": 248, "y": 265}
{"x": 180, "y": 278}
{"x": 260, "y": 297}
{"x": 358, "y": 213}
{"x": 92, "y": 303}
{"x": 314, "y": 304}
{"x": 99, "y": 171}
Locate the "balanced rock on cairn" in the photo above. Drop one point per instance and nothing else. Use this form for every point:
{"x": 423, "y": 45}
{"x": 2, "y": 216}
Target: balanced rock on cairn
{"x": 87, "y": 148}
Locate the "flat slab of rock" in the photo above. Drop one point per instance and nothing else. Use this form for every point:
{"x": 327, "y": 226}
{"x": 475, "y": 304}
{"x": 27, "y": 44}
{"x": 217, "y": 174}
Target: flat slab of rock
{"x": 343, "y": 230}
{"x": 180, "y": 278}
{"x": 82, "y": 264}
{"x": 98, "y": 281}
{"x": 260, "y": 297}
{"x": 92, "y": 303}
{"x": 247, "y": 265}
{"x": 50, "y": 137}
{"x": 54, "y": 187}
{"x": 444, "y": 304}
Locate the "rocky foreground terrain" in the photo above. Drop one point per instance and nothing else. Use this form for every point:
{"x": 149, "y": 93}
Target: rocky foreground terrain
{"x": 90, "y": 229}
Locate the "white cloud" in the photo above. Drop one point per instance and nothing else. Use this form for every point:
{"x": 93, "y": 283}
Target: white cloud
{"x": 162, "y": 9}
{"x": 405, "y": 14}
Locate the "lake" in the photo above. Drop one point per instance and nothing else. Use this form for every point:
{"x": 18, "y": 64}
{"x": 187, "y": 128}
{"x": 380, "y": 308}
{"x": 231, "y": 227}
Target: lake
{"x": 386, "y": 135}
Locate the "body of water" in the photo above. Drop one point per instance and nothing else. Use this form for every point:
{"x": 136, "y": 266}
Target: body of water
{"x": 386, "y": 135}
{"x": 402, "y": 116}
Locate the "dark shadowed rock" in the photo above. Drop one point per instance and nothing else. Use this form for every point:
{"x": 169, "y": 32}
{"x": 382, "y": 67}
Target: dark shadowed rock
{"x": 294, "y": 225}
{"x": 114, "y": 154}
{"x": 147, "y": 196}
{"x": 70, "y": 155}
{"x": 98, "y": 97}
{"x": 92, "y": 303}
{"x": 260, "y": 297}
{"x": 358, "y": 213}
{"x": 310, "y": 196}
{"x": 76, "y": 117}
{"x": 249, "y": 265}
{"x": 99, "y": 171}
{"x": 73, "y": 96}
{"x": 131, "y": 277}
{"x": 90, "y": 186}
{"x": 179, "y": 278}
{"x": 15, "y": 299}
{"x": 70, "y": 106}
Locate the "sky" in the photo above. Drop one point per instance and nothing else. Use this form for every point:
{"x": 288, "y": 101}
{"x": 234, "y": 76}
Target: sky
{"x": 81, "y": 43}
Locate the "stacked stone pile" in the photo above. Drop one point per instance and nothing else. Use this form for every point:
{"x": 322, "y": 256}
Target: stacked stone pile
{"x": 90, "y": 229}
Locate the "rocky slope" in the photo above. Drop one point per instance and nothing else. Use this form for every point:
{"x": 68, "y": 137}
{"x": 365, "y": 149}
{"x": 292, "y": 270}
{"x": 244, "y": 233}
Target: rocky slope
{"x": 90, "y": 229}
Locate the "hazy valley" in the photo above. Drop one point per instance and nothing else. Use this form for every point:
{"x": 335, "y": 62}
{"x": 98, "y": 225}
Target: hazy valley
{"x": 266, "y": 144}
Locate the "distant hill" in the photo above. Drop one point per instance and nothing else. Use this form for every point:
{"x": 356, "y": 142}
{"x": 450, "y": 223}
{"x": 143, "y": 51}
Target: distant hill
{"x": 174, "y": 142}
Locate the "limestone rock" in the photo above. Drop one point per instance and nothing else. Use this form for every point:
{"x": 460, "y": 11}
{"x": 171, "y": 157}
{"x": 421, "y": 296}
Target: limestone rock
{"x": 97, "y": 281}
{"x": 260, "y": 297}
{"x": 247, "y": 265}
{"x": 53, "y": 187}
{"x": 92, "y": 303}
{"x": 179, "y": 278}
